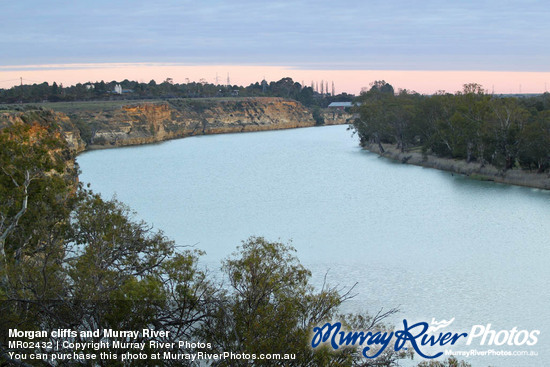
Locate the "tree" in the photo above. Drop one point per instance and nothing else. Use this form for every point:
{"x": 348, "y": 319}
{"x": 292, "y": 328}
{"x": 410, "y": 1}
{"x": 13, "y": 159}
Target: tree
{"x": 429, "y": 123}
{"x": 132, "y": 274}
{"x": 505, "y": 125}
{"x": 400, "y": 118}
{"x": 536, "y": 143}
{"x": 270, "y": 306}
{"x": 372, "y": 122}
{"x": 385, "y": 117}
{"x": 32, "y": 167}
{"x": 473, "y": 88}
{"x": 470, "y": 120}
{"x": 380, "y": 86}
{"x": 318, "y": 116}
{"x": 110, "y": 272}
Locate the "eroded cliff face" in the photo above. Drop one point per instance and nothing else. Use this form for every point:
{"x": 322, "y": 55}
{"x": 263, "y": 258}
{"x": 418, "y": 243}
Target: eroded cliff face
{"x": 47, "y": 118}
{"x": 337, "y": 117}
{"x": 144, "y": 122}
{"x": 101, "y": 126}
{"x": 40, "y": 143}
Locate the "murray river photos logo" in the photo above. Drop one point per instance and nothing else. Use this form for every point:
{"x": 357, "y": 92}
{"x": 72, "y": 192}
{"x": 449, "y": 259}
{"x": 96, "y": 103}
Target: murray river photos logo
{"x": 421, "y": 336}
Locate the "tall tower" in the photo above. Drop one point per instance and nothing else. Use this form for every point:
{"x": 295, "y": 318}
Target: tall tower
{"x": 333, "y": 92}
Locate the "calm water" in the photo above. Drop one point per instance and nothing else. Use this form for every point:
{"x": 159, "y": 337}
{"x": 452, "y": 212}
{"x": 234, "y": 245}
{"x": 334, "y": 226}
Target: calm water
{"x": 436, "y": 245}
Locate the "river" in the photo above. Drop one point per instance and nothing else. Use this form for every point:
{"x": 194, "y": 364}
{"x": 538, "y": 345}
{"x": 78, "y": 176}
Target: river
{"x": 434, "y": 244}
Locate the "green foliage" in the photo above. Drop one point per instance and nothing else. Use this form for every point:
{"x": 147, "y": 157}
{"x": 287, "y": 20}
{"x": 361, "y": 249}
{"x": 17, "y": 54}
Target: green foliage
{"x": 106, "y": 271}
{"x": 471, "y": 125}
{"x": 381, "y": 87}
{"x": 270, "y": 306}
{"x": 385, "y": 117}
{"x": 535, "y": 138}
{"x": 35, "y": 192}
{"x": 116, "y": 252}
{"x": 318, "y": 116}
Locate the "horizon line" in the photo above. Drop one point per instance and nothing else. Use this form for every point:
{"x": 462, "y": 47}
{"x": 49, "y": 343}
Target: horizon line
{"x": 347, "y": 80}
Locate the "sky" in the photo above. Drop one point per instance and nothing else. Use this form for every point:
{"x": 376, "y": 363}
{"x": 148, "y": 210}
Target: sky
{"x": 419, "y": 45}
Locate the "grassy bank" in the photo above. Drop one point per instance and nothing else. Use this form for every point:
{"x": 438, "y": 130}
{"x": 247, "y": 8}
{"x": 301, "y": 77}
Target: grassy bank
{"x": 473, "y": 170}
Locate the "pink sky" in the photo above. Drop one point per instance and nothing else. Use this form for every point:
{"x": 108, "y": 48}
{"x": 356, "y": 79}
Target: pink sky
{"x": 350, "y": 81}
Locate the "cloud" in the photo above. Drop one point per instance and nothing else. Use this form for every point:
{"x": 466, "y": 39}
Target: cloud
{"x": 496, "y": 35}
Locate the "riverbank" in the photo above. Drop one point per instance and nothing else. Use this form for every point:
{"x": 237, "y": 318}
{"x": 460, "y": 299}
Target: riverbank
{"x": 100, "y": 125}
{"x": 473, "y": 170}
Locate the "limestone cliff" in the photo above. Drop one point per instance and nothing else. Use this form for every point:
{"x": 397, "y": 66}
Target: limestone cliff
{"x": 46, "y": 118}
{"x": 92, "y": 125}
{"x": 44, "y": 143}
{"x": 146, "y": 122}
{"x": 337, "y": 117}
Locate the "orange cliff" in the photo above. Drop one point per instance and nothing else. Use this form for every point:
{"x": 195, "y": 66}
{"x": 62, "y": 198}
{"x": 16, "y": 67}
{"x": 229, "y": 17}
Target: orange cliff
{"x": 144, "y": 123}
{"x": 103, "y": 125}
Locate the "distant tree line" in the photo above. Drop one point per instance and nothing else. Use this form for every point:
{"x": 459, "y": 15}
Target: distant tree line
{"x": 507, "y": 132}
{"x": 285, "y": 88}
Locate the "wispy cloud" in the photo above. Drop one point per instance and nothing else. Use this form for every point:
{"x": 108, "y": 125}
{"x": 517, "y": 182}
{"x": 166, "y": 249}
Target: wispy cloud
{"x": 396, "y": 34}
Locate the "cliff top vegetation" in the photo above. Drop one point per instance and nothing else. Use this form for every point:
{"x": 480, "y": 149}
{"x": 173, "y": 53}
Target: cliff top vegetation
{"x": 106, "y": 92}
